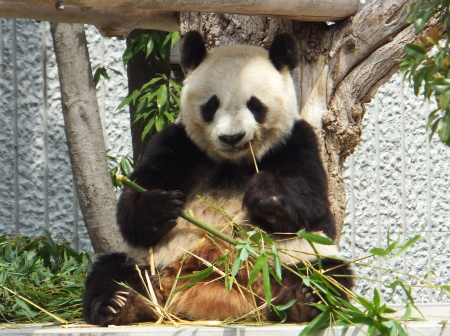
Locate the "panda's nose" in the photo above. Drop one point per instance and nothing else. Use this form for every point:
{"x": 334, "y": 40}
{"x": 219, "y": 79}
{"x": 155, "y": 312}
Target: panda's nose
{"x": 232, "y": 139}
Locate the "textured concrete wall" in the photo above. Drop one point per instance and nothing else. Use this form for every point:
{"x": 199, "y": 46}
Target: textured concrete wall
{"x": 396, "y": 180}
{"x": 399, "y": 183}
{"x": 32, "y": 140}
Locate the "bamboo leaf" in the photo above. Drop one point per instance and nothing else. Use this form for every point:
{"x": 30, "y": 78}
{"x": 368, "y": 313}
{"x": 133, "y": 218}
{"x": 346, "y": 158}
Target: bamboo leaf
{"x": 276, "y": 262}
{"x": 244, "y": 254}
{"x": 378, "y": 252}
{"x": 407, "y": 246}
{"x": 266, "y": 281}
{"x": 199, "y": 276}
{"x": 313, "y": 238}
{"x": 256, "y": 268}
{"x": 116, "y": 72}
{"x": 318, "y": 323}
{"x": 236, "y": 266}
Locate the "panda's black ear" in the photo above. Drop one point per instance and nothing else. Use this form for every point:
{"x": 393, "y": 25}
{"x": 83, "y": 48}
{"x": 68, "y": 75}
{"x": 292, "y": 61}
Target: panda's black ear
{"x": 192, "y": 51}
{"x": 284, "y": 52}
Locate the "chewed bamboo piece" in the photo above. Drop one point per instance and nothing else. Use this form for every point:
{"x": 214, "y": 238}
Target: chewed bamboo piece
{"x": 125, "y": 180}
{"x": 253, "y": 156}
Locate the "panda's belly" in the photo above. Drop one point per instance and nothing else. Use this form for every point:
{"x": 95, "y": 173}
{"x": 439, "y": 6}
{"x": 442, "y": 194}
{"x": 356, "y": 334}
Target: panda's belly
{"x": 218, "y": 208}
{"x": 221, "y": 209}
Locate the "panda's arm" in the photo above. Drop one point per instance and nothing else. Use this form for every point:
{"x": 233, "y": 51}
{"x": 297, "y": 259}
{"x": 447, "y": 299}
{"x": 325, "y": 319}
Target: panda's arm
{"x": 169, "y": 169}
{"x": 290, "y": 192}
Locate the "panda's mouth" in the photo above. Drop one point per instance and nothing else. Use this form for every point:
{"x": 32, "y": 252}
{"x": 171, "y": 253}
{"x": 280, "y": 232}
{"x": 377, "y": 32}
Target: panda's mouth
{"x": 236, "y": 149}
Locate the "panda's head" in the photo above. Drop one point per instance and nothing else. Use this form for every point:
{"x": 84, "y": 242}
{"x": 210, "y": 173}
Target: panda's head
{"x": 238, "y": 94}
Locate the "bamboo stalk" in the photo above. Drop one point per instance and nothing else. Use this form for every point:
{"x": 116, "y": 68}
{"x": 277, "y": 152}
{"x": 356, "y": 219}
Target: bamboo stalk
{"x": 125, "y": 180}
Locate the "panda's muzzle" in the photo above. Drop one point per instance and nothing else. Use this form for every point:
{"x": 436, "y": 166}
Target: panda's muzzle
{"x": 234, "y": 142}
{"x": 232, "y": 139}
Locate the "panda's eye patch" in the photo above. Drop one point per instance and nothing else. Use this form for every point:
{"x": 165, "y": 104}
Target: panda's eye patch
{"x": 258, "y": 109}
{"x": 209, "y": 108}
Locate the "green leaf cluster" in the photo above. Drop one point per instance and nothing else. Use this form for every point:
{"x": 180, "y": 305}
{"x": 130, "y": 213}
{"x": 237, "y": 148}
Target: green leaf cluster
{"x": 49, "y": 274}
{"x": 157, "y": 103}
{"x": 395, "y": 248}
{"x": 430, "y": 69}
{"x": 154, "y": 42}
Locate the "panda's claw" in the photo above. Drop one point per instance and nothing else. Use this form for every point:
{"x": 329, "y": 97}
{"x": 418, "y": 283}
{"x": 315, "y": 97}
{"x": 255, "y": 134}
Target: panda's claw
{"x": 120, "y": 303}
{"x": 111, "y": 309}
{"x": 121, "y": 299}
{"x": 300, "y": 311}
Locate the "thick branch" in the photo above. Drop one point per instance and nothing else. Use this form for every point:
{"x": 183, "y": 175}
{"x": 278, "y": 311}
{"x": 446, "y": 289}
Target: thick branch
{"x": 85, "y": 136}
{"x": 376, "y": 24}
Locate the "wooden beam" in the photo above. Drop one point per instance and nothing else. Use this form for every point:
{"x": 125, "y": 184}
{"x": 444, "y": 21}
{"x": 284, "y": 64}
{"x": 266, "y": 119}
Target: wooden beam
{"x": 109, "y": 21}
{"x": 303, "y": 10}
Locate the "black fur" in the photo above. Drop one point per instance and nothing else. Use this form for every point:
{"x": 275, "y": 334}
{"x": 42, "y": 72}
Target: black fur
{"x": 171, "y": 167}
{"x": 208, "y": 110}
{"x": 192, "y": 51}
{"x": 258, "y": 109}
{"x": 292, "y": 187}
{"x": 102, "y": 284}
{"x": 284, "y": 52}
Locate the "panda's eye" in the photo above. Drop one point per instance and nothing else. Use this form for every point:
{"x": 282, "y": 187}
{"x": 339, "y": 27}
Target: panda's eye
{"x": 258, "y": 109}
{"x": 209, "y": 108}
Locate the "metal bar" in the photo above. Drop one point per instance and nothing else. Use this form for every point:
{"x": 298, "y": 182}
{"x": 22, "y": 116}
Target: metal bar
{"x": 378, "y": 182}
{"x": 15, "y": 127}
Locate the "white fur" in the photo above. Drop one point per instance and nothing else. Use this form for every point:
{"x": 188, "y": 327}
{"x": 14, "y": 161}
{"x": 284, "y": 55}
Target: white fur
{"x": 234, "y": 74}
{"x": 186, "y": 236}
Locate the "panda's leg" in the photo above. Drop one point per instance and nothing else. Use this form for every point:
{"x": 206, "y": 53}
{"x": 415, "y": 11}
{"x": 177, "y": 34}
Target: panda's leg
{"x": 295, "y": 289}
{"x": 107, "y": 302}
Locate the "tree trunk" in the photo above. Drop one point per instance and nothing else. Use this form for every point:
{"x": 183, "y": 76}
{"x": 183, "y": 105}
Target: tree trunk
{"x": 342, "y": 67}
{"x": 85, "y": 136}
{"x": 140, "y": 70}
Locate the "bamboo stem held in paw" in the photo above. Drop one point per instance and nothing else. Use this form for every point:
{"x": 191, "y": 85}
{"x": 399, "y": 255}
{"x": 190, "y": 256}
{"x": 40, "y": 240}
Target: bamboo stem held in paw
{"x": 184, "y": 215}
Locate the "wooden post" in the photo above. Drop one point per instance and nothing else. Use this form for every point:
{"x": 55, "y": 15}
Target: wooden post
{"x": 109, "y": 21}
{"x": 303, "y": 10}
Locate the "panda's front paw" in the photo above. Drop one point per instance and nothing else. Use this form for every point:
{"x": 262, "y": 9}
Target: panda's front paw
{"x": 269, "y": 204}
{"x": 272, "y": 208}
{"x": 109, "y": 311}
{"x": 164, "y": 206}
{"x": 122, "y": 307}
{"x": 145, "y": 217}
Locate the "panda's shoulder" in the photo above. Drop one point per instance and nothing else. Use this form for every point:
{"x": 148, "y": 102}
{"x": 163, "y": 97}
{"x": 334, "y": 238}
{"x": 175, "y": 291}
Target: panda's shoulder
{"x": 172, "y": 142}
{"x": 173, "y": 134}
{"x": 303, "y": 134}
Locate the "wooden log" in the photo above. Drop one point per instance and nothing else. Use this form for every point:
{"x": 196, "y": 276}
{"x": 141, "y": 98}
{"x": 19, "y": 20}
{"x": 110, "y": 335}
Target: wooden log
{"x": 303, "y": 10}
{"x": 109, "y": 21}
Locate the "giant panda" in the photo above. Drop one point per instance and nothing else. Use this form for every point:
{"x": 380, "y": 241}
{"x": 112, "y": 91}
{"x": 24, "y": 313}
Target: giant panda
{"x": 233, "y": 96}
